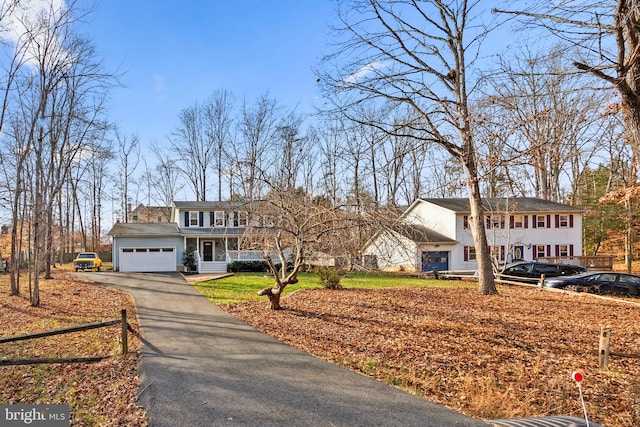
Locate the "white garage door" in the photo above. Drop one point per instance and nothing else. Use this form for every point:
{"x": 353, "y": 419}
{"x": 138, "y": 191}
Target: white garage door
{"x": 148, "y": 259}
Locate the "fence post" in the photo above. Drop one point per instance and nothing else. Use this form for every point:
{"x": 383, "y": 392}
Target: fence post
{"x": 603, "y": 353}
{"x": 125, "y": 345}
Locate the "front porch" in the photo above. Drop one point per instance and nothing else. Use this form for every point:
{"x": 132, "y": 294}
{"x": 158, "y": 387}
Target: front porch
{"x": 220, "y": 265}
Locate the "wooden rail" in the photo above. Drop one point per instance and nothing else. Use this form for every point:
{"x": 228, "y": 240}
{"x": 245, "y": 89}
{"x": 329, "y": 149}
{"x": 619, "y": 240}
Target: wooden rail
{"x": 125, "y": 327}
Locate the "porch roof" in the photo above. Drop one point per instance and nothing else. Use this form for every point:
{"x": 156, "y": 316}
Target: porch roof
{"x": 212, "y": 231}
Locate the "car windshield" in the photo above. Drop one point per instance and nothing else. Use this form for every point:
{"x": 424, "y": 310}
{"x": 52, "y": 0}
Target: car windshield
{"x": 86, "y": 256}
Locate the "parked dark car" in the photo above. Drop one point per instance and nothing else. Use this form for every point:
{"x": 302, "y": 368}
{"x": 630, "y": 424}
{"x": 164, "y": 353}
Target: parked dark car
{"x": 607, "y": 282}
{"x": 537, "y": 269}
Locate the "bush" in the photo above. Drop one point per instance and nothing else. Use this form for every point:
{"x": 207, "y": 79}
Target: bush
{"x": 329, "y": 277}
{"x": 248, "y": 267}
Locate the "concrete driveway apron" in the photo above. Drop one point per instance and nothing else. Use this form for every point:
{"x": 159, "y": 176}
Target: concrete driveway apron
{"x": 201, "y": 366}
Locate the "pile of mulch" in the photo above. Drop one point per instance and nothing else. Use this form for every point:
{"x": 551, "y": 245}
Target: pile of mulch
{"x": 503, "y": 356}
{"x": 101, "y": 393}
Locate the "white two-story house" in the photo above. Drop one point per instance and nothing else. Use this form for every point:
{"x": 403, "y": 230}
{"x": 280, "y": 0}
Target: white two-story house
{"x": 434, "y": 234}
{"x": 210, "y": 230}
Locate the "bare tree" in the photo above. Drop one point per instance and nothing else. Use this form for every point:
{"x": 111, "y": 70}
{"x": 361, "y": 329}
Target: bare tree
{"x": 194, "y": 149}
{"x": 257, "y": 127}
{"x": 290, "y": 226}
{"x": 419, "y": 55}
{"x": 129, "y": 157}
{"x": 218, "y": 125}
{"x": 607, "y": 39}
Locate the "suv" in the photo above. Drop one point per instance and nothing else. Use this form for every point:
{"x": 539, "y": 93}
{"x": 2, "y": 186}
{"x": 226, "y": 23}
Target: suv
{"x": 537, "y": 269}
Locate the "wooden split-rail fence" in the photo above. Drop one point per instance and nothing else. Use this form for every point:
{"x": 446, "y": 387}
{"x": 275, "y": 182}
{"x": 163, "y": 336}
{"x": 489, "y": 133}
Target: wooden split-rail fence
{"x": 124, "y": 325}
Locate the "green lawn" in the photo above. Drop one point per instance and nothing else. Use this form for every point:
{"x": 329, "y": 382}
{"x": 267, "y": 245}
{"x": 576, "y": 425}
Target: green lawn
{"x": 245, "y": 286}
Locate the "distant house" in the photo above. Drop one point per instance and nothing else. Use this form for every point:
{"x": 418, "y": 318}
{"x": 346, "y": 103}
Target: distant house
{"x": 434, "y": 234}
{"x": 209, "y": 230}
{"x": 144, "y": 213}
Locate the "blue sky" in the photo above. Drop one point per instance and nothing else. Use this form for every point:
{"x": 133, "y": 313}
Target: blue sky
{"x": 172, "y": 54}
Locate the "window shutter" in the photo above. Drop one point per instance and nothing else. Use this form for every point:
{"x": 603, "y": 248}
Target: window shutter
{"x": 465, "y": 221}
{"x": 201, "y": 219}
{"x": 571, "y": 221}
{"x": 512, "y": 221}
{"x": 535, "y": 252}
{"x": 501, "y": 222}
{"x": 466, "y": 253}
{"x": 501, "y": 253}
{"x": 534, "y": 221}
{"x": 570, "y": 250}
{"x": 548, "y": 250}
{"x": 211, "y": 219}
{"x": 548, "y": 224}
{"x": 557, "y": 250}
{"x": 526, "y": 221}
{"x": 186, "y": 219}
{"x": 557, "y": 221}
{"x": 488, "y": 221}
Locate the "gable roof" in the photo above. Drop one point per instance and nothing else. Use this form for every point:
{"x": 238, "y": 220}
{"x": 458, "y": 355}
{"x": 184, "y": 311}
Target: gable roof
{"x": 140, "y": 229}
{"x": 496, "y": 204}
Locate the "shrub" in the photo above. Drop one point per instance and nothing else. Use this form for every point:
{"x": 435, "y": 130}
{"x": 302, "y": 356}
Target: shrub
{"x": 248, "y": 267}
{"x": 329, "y": 277}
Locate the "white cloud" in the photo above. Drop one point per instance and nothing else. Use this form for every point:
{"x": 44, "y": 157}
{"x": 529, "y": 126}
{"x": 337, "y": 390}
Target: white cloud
{"x": 23, "y": 19}
{"x": 365, "y": 71}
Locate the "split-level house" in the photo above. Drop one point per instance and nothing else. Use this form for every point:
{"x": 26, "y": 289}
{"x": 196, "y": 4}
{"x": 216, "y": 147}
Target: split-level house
{"x": 211, "y": 231}
{"x": 434, "y": 234}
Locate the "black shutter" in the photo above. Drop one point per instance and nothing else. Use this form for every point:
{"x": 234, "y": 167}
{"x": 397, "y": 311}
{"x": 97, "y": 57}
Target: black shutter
{"x": 201, "y": 219}
{"x": 186, "y": 219}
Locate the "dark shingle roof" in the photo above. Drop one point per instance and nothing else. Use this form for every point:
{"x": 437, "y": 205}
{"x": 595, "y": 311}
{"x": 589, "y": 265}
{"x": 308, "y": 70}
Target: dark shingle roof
{"x": 513, "y": 204}
{"x": 208, "y": 205}
{"x": 145, "y": 229}
{"x": 420, "y": 234}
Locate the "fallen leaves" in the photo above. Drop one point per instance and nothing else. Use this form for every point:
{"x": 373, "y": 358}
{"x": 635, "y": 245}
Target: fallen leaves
{"x": 102, "y": 393}
{"x": 502, "y": 356}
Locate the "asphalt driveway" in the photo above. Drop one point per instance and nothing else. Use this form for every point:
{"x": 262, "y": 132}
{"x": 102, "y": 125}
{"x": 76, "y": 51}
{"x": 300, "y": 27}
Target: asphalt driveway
{"x": 203, "y": 367}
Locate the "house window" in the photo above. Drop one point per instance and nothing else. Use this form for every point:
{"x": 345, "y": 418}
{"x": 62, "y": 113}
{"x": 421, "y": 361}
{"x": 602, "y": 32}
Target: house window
{"x": 469, "y": 253}
{"x": 135, "y": 217}
{"x": 495, "y": 221}
{"x": 563, "y": 221}
{"x": 541, "y": 221}
{"x": 497, "y": 252}
{"x": 242, "y": 219}
{"x": 563, "y": 250}
{"x": 220, "y": 218}
{"x": 518, "y": 221}
{"x": 159, "y": 219}
{"x": 540, "y": 251}
{"x": 193, "y": 218}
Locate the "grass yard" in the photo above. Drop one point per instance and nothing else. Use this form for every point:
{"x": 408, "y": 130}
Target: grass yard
{"x": 245, "y": 286}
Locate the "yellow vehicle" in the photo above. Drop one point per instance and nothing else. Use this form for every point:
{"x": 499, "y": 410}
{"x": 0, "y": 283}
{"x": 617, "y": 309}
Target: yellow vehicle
{"x": 87, "y": 261}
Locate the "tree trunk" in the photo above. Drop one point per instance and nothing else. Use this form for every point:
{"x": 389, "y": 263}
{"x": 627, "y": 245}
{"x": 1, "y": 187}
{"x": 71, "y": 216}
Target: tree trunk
{"x": 274, "y": 297}
{"x": 486, "y": 278}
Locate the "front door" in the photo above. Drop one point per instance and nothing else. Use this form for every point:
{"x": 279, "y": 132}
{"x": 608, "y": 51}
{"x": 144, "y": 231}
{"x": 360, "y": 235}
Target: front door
{"x": 438, "y": 261}
{"x": 518, "y": 253}
{"x": 207, "y": 250}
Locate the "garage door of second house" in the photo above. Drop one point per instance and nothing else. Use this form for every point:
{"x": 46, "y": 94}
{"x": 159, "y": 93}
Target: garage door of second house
{"x": 148, "y": 259}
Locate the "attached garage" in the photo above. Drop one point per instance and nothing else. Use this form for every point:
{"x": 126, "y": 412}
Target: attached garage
{"x": 147, "y": 247}
{"x": 148, "y": 259}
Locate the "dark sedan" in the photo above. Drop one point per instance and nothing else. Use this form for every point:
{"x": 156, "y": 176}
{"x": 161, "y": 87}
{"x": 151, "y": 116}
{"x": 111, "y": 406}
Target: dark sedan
{"x": 608, "y": 282}
{"x": 537, "y": 269}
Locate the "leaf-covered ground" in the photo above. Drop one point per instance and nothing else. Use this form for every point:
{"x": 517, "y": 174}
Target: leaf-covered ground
{"x": 509, "y": 355}
{"x": 99, "y": 394}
